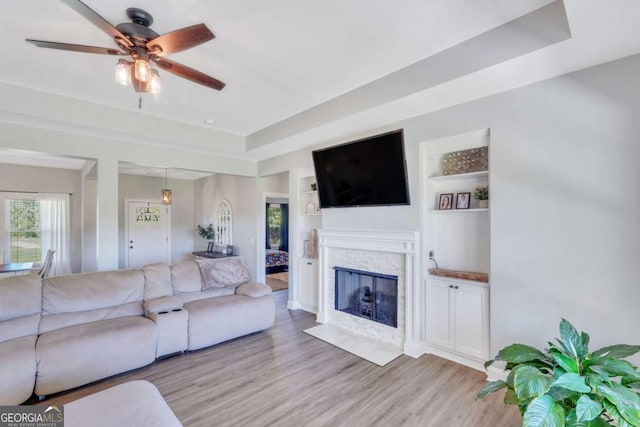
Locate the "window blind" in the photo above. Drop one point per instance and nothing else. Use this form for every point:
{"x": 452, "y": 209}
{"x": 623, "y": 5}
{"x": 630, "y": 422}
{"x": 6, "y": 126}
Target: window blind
{"x": 23, "y": 227}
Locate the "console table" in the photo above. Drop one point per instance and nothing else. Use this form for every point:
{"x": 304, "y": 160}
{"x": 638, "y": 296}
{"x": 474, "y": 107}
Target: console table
{"x": 205, "y": 254}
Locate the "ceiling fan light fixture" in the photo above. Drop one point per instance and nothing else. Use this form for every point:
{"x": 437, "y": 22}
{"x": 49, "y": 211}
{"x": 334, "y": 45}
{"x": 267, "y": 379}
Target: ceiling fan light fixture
{"x": 153, "y": 86}
{"x": 123, "y": 73}
{"x": 142, "y": 70}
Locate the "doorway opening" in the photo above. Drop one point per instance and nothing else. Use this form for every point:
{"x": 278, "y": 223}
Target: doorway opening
{"x": 277, "y": 244}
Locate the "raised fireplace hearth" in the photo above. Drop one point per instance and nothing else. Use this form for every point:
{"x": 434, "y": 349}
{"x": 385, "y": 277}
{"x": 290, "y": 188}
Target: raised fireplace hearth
{"x": 365, "y": 294}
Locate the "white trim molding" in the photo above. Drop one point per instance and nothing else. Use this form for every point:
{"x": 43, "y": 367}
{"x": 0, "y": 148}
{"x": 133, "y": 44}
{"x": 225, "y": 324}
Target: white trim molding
{"x": 399, "y": 245}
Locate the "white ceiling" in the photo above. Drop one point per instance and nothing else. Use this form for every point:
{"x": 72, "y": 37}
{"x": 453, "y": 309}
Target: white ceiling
{"x": 283, "y": 59}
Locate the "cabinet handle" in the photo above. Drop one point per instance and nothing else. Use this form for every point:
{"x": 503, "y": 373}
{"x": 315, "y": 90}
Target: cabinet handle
{"x": 456, "y": 287}
{"x": 309, "y": 263}
{"x": 450, "y": 286}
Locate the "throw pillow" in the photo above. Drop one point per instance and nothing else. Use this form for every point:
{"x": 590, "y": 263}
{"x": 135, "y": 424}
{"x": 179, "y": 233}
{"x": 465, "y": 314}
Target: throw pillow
{"x": 223, "y": 272}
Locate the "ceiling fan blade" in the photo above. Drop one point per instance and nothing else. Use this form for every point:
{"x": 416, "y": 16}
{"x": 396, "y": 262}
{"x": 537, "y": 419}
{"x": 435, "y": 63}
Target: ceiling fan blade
{"x": 99, "y": 22}
{"x": 188, "y": 73}
{"x": 77, "y": 47}
{"x": 179, "y": 40}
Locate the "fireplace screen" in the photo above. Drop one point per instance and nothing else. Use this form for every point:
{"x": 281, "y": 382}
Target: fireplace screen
{"x": 370, "y": 295}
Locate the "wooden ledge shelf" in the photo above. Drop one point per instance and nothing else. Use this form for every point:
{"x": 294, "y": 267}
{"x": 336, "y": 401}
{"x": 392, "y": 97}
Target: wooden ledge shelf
{"x": 457, "y": 274}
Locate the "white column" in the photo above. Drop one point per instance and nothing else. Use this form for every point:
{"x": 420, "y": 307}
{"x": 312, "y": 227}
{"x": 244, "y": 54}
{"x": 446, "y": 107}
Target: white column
{"x": 107, "y": 189}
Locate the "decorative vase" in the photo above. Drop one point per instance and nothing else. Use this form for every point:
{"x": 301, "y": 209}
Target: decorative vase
{"x": 483, "y": 204}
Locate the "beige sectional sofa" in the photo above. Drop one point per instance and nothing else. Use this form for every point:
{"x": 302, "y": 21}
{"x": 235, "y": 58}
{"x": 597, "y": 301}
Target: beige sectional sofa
{"x": 66, "y": 331}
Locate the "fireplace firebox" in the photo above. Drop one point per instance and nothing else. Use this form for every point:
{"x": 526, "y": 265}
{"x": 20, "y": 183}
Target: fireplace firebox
{"x": 373, "y": 296}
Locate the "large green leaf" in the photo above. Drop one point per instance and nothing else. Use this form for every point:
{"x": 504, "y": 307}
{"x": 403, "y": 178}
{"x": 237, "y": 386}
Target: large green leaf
{"x": 510, "y": 398}
{"x": 572, "y": 421}
{"x": 520, "y": 353}
{"x": 491, "y": 387}
{"x": 626, "y": 401}
{"x": 572, "y": 381}
{"x": 559, "y": 394}
{"x": 567, "y": 363}
{"x": 529, "y": 382}
{"x": 615, "y": 414}
{"x": 544, "y": 412}
{"x": 619, "y": 351}
{"x": 572, "y": 341}
{"x": 610, "y": 367}
{"x": 587, "y": 409}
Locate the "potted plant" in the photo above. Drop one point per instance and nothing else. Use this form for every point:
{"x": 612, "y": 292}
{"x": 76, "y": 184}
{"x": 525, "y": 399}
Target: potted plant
{"x": 481, "y": 194}
{"x": 207, "y": 232}
{"x": 567, "y": 385}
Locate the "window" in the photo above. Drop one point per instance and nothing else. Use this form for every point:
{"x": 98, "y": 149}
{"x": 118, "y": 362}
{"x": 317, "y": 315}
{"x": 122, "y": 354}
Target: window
{"x": 275, "y": 220}
{"x": 23, "y": 230}
{"x": 224, "y": 224}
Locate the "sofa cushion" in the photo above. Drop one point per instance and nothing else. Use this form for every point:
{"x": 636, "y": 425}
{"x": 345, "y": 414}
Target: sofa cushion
{"x": 17, "y": 370}
{"x": 215, "y": 320}
{"x": 186, "y": 297}
{"x": 91, "y": 291}
{"x": 80, "y": 354}
{"x": 253, "y": 289}
{"x": 19, "y": 327}
{"x": 223, "y": 272}
{"x": 51, "y": 322}
{"x": 157, "y": 280}
{"x": 20, "y": 306}
{"x": 135, "y": 403}
{"x": 185, "y": 277}
{"x": 20, "y": 296}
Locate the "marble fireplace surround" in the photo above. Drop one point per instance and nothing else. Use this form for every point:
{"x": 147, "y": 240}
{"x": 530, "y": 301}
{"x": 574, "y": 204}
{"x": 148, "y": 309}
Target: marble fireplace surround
{"x": 385, "y": 252}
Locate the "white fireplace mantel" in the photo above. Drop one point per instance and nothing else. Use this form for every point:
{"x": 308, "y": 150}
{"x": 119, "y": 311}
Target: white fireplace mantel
{"x": 402, "y": 245}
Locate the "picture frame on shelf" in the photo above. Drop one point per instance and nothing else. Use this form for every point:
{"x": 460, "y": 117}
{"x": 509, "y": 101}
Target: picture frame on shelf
{"x": 310, "y": 209}
{"x": 445, "y": 201}
{"x": 463, "y": 200}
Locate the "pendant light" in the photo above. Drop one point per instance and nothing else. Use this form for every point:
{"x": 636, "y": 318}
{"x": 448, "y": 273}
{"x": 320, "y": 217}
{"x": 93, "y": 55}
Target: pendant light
{"x": 166, "y": 193}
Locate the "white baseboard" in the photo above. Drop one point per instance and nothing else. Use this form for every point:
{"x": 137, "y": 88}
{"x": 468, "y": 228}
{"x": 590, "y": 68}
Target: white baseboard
{"x": 293, "y": 305}
{"x": 457, "y": 357}
{"x": 414, "y": 349}
{"x": 494, "y": 374}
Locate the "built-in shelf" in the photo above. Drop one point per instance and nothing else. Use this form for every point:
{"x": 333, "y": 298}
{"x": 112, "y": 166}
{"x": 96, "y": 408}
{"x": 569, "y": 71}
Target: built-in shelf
{"x": 459, "y": 210}
{"x": 313, "y": 214}
{"x": 310, "y": 192}
{"x": 470, "y": 175}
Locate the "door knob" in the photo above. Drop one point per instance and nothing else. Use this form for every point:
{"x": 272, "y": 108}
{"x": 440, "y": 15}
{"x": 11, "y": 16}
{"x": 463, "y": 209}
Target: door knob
{"x": 130, "y": 247}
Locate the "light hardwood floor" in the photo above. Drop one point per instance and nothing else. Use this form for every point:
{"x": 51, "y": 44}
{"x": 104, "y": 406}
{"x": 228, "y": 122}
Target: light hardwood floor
{"x": 283, "y": 377}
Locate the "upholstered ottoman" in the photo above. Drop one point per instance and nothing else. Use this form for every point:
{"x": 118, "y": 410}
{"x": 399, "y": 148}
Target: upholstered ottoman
{"x": 136, "y": 403}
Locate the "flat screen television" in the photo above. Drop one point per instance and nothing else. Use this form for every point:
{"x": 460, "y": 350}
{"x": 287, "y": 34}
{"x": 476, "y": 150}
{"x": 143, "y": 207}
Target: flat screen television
{"x": 367, "y": 172}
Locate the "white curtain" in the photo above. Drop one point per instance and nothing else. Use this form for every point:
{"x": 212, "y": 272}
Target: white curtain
{"x": 55, "y": 231}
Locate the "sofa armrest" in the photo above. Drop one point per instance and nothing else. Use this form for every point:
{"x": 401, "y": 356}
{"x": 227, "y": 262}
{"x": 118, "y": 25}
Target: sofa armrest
{"x": 253, "y": 289}
{"x": 163, "y": 304}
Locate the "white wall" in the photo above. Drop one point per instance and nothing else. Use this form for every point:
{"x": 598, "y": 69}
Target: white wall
{"x": 241, "y": 192}
{"x": 49, "y": 180}
{"x": 148, "y": 188}
{"x": 565, "y": 232}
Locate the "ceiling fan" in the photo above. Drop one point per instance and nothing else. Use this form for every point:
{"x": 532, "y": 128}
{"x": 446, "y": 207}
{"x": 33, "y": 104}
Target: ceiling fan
{"x": 143, "y": 45}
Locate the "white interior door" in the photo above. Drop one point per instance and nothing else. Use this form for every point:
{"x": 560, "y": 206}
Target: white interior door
{"x": 148, "y": 233}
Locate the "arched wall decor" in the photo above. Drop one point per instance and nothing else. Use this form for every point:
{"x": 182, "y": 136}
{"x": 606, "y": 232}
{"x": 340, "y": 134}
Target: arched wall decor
{"x": 224, "y": 223}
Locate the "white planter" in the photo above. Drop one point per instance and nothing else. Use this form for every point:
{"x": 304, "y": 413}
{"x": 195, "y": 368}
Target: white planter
{"x": 483, "y": 204}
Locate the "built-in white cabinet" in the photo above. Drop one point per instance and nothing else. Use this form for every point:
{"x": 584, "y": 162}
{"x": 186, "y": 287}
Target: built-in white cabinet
{"x": 458, "y": 316}
{"x": 456, "y": 234}
{"x": 306, "y": 216}
{"x": 308, "y": 284}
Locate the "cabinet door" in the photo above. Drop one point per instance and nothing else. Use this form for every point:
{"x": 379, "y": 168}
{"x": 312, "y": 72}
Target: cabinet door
{"x": 440, "y": 308}
{"x": 472, "y": 320}
{"x": 308, "y": 284}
